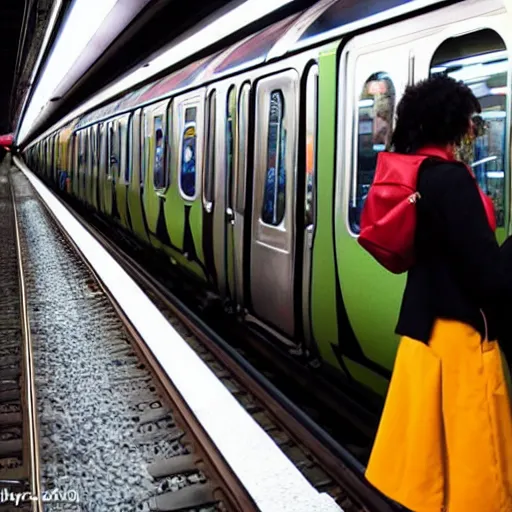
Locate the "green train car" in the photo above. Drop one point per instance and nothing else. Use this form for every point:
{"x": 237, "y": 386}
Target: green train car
{"x": 249, "y": 167}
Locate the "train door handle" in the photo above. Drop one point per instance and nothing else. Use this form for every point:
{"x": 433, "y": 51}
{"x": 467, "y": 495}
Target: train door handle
{"x": 230, "y": 216}
{"x": 309, "y": 235}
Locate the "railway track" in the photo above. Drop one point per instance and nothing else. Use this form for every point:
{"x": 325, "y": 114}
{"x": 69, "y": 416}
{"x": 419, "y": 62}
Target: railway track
{"x": 19, "y": 454}
{"x": 113, "y": 429}
{"x": 327, "y": 466}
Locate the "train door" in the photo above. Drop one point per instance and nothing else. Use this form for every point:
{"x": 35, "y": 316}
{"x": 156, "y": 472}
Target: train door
{"x": 43, "y": 158}
{"x": 49, "y": 142}
{"x": 184, "y": 211}
{"x": 80, "y": 162}
{"x": 113, "y": 165}
{"x": 213, "y": 201}
{"x": 84, "y": 163}
{"x": 372, "y": 76}
{"x": 56, "y": 159}
{"x": 240, "y": 191}
{"x": 311, "y": 116}
{"x": 89, "y": 167}
{"x": 45, "y": 153}
{"x": 135, "y": 179}
{"x": 122, "y": 179}
{"x": 94, "y": 166}
{"x": 273, "y": 214}
{"x": 50, "y": 156}
{"x": 156, "y": 156}
{"x": 46, "y": 158}
{"x": 218, "y": 190}
{"x": 103, "y": 164}
{"x": 76, "y": 163}
{"x": 230, "y": 133}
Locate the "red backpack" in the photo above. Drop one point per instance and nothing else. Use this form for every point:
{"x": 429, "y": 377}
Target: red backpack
{"x": 388, "y": 219}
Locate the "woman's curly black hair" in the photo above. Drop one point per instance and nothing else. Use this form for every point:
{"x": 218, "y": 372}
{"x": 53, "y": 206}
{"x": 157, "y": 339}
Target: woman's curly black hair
{"x": 436, "y": 111}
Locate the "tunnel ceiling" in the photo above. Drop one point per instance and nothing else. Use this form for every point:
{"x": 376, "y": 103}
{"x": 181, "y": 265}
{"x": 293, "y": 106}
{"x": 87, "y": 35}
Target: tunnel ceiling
{"x": 21, "y": 35}
{"x": 11, "y": 16}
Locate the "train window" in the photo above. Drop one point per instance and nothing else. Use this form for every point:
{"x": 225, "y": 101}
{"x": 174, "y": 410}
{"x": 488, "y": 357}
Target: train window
{"x": 209, "y": 177}
{"x": 272, "y": 211}
{"x": 243, "y": 110}
{"x": 311, "y": 133}
{"x": 188, "y": 154}
{"x": 480, "y": 60}
{"x": 230, "y": 124}
{"x": 114, "y": 150}
{"x": 374, "y": 121}
{"x": 159, "y": 159}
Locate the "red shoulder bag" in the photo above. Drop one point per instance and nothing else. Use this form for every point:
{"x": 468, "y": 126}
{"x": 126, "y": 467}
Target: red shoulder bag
{"x": 388, "y": 219}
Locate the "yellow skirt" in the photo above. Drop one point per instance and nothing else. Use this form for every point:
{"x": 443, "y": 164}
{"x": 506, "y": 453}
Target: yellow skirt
{"x": 444, "y": 441}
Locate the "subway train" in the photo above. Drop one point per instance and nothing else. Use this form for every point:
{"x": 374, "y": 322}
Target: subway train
{"x": 248, "y": 168}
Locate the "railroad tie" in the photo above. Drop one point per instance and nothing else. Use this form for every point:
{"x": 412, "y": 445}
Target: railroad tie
{"x": 180, "y": 464}
{"x": 194, "y": 496}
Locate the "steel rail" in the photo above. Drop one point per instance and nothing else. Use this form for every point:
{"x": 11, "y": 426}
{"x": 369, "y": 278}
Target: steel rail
{"x": 30, "y": 427}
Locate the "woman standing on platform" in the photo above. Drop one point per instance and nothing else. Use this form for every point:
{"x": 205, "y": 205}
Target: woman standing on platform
{"x": 444, "y": 442}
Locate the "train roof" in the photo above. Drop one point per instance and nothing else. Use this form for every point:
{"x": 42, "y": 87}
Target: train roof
{"x": 325, "y": 20}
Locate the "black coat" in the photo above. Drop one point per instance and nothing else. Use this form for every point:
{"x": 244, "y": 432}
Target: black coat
{"x": 460, "y": 267}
